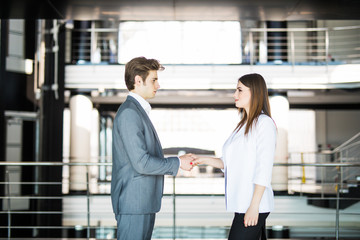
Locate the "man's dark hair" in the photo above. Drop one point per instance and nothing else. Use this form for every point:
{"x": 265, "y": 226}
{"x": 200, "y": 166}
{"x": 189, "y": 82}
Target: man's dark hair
{"x": 140, "y": 66}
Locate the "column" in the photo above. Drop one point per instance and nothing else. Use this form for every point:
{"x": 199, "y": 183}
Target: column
{"x": 280, "y": 114}
{"x": 80, "y": 140}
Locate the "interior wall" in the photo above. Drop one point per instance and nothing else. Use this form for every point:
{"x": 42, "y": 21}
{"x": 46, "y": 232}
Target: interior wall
{"x": 334, "y": 127}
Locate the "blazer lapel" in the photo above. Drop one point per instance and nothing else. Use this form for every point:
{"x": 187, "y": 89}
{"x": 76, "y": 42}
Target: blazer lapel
{"x": 147, "y": 119}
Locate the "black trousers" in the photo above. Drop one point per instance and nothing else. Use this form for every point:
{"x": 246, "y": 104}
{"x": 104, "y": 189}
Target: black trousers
{"x": 238, "y": 231}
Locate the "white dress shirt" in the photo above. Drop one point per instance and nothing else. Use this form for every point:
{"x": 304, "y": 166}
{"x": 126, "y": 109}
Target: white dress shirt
{"x": 248, "y": 160}
{"x": 144, "y": 104}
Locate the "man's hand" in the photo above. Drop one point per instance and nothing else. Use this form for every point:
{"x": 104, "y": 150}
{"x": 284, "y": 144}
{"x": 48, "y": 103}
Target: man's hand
{"x": 186, "y": 161}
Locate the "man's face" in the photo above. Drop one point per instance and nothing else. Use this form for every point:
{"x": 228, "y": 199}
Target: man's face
{"x": 149, "y": 87}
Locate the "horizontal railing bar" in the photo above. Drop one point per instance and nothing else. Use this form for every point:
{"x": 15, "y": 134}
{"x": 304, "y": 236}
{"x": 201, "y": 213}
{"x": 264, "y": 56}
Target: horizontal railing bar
{"x": 170, "y": 212}
{"x": 42, "y": 227}
{"x": 53, "y": 164}
{"x": 192, "y": 195}
{"x": 319, "y": 164}
{"x": 35, "y": 212}
{"x": 292, "y": 178}
{"x": 110, "y": 164}
{"x": 293, "y": 212}
{"x": 31, "y": 197}
{"x": 60, "y": 183}
{"x": 39, "y": 183}
{"x": 299, "y": 29}
{"x": 260, "y": 30}
{"x": 67, "y": 212}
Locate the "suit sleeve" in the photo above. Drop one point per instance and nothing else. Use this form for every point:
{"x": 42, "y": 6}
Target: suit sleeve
{"x": 265, "y": 151}
{"x": 131, "y": 131}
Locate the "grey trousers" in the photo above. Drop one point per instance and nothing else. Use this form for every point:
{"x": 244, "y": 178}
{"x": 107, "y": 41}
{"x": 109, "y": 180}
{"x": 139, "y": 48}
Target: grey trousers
{"x": 135, "y": 227}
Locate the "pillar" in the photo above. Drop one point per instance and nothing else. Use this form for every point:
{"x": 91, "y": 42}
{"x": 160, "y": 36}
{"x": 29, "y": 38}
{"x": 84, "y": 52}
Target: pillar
{"x": 94, "y": 152}
{"x": 80, "y": 141}
{"x": 280, "y": 114}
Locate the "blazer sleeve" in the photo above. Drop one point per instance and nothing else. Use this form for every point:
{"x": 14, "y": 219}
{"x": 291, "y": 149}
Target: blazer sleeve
{"x": 265, "y": 151}
{"x": 131, "y": 131}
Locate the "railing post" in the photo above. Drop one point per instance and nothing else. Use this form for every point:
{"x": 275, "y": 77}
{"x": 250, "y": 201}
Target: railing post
{"x": 174, "y": 209}
{"x": 327, "y": 49}
{"x": 251, "y": 48}
{"x": 292, "y": 47}
{"x": 88, "y": 202}
{"x": 337, "y": 204}
{"x": 303, "y": 178}
{"x": 8, "y": 203}
{"x": 322, "y": 177}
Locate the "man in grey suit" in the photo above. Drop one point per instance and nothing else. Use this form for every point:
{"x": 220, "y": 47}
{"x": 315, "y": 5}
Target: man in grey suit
{"x": 139, "y": 164}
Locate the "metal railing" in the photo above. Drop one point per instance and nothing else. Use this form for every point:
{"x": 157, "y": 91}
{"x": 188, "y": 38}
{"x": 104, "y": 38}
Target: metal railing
{"x": 292, "y": 45}
{"x": 83, "y": 213}
{"x": 326, "y": 45}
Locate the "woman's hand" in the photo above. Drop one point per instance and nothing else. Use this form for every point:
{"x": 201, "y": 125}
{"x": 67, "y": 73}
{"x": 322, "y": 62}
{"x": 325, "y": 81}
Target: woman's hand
{"x": 211, "y": 161}
{"x": 251, "y": 216}
{"x": 199, "y": 160}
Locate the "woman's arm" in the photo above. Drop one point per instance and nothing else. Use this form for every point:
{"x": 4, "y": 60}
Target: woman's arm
{"x": 211, "y": 161}
{"x": 252, "y": 214}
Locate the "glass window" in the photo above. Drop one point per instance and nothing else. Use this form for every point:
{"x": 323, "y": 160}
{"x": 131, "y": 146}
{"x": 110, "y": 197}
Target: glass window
{"x": 187, "y": 42}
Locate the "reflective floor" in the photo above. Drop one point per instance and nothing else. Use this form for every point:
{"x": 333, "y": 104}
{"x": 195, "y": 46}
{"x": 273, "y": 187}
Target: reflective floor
{"x": 178, "y": 238}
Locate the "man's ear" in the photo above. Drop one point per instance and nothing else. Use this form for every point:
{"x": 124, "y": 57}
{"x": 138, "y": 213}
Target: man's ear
{"x": 138, "y": 80}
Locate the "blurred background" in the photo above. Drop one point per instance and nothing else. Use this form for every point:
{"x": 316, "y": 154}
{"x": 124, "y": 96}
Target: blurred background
{"x": 61, "y": 83}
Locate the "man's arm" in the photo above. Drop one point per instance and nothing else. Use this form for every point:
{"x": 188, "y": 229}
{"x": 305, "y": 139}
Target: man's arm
{"x": 131, "y": 131}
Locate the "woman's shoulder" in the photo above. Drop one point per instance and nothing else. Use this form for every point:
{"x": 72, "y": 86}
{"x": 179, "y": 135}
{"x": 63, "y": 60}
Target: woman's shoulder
{"x": 266, "y": 121}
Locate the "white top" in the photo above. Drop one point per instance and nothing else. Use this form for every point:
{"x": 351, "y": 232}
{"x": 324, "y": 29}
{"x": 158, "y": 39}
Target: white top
{"x": 144, "y": 104}
{"x": 248, "y": 160}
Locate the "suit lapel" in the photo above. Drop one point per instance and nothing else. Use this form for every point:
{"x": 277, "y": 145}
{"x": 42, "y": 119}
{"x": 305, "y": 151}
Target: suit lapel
{"x": 147, "y": 119}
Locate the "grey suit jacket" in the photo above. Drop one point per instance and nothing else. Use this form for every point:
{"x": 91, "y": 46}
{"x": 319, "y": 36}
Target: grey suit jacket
{"x": 138, "y": 166}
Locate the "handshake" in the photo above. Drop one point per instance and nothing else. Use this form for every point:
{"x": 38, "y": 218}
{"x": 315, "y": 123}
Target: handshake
{"x": 188, "y": 161}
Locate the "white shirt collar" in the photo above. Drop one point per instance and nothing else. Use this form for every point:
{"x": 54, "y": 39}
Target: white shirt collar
{"x": 144, "y": 104}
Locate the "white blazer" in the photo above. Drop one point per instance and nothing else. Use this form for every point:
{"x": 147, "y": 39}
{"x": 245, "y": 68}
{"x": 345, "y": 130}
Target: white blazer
{"x": 248, "y": 160}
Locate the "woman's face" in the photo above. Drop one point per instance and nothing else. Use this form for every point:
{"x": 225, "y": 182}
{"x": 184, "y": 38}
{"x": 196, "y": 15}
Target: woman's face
{"x": 242, "y": 97}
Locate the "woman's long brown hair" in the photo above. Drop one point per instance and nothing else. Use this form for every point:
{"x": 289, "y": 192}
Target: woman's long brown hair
{"x": 259, "y": 101}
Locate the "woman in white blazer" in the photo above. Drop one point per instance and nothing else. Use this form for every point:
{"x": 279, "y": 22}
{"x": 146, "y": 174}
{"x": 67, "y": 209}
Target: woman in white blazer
{"x": 248, "y": 156}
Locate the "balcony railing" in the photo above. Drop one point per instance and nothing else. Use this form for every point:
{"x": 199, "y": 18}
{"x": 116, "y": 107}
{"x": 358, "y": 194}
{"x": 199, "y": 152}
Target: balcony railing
{"x": 292, "y": 45}
{"x": 302, "y": 46}
{"x": 186, "y": 205}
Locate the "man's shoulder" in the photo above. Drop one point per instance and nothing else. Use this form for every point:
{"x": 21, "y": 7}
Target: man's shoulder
{"x": 128, "y": 104}
{"x": 127, "y": 108}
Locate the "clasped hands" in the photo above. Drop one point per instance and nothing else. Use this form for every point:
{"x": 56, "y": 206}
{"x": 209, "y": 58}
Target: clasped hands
{"x": 188, "y": 161}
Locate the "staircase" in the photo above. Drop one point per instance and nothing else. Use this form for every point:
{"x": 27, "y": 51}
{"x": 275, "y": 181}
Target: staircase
{"x": 346, "y": 178}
